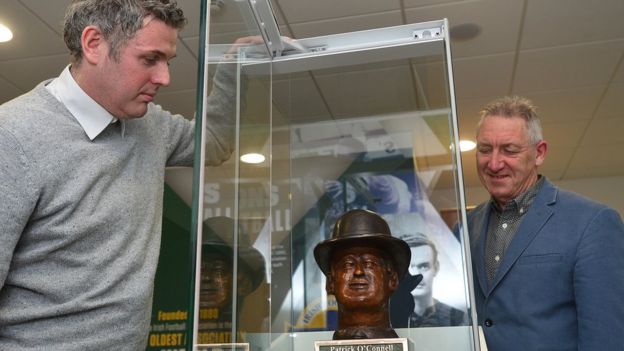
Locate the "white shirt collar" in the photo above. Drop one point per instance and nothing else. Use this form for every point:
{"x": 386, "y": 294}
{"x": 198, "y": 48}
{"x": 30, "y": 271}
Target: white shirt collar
{"x": 92, "y": 116}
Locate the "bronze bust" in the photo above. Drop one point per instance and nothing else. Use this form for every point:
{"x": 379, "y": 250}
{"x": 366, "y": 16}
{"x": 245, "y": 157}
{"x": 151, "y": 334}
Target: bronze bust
{"x": 217, "y": 279}
{"x": 363, "y": 264}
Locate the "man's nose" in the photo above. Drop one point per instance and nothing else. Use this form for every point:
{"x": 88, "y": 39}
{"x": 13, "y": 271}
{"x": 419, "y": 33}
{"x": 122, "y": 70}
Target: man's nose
{"x": 162, "y": 77}
{"x": 496, "y": 162}
{"x": 358, "y": 268}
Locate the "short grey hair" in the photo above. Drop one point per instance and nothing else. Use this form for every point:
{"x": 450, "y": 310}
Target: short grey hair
{"x": 118, "y": 20}
{"x": 420, "y": 239}
{"x": 515, "y": 106}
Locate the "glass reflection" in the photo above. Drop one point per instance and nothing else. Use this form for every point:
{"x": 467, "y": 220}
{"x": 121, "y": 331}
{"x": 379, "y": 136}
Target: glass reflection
{"x": 220, "y": 287}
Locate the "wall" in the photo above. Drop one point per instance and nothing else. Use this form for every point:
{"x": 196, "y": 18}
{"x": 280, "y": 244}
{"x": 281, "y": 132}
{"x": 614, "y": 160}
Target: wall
{"x": 607, "y": 190}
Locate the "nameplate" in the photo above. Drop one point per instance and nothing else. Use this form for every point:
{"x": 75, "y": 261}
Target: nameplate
{"x": 223, "y": 347}
{"x": 399, "y": 344}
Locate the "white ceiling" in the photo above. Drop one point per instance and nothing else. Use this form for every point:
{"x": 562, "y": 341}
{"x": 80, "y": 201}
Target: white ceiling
{"x": 565, "y": 55}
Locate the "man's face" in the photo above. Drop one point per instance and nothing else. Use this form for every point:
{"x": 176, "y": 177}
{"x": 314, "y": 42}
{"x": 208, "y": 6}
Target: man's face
{"x": 423, "y": 263}
{"x": 506, "y": 161}
{"x": 126, "y": 84}
{"x": 216, "y": 281}
{"x": 359, "y": 278}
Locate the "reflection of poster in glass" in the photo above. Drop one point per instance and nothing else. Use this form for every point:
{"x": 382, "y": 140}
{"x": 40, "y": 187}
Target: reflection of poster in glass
{"x": 170, "y": 309}
{"x": 372, "y": 169}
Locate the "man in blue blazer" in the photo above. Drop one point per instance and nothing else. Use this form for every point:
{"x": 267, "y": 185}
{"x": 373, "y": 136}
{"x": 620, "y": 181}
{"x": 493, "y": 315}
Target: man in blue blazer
{"x": 548, "y": 264}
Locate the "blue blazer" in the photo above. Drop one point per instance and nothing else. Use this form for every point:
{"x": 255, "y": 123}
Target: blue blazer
{"x": 560, "y": 285}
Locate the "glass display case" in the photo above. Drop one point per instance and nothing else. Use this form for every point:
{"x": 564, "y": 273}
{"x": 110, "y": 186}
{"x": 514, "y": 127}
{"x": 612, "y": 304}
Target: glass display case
{"x": 352, "y": 120}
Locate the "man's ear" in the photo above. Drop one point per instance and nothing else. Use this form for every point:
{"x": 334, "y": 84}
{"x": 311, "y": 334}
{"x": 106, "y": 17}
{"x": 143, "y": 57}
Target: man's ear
{"x": 540, "y": 152}
{"x": 329, "y": 283}
{"x": 94, "y": 47}
{"x": 393, "y": 279}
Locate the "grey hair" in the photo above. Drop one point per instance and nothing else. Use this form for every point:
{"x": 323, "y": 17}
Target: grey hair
{"x": 420, "y": 239}
{"x": 515, "y": 106}
{"x": 118, "y": 20}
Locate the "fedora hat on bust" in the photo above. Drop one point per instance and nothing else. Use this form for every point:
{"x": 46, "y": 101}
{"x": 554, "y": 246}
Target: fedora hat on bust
{"x": 218, "y": 237}
{"x": 363, "y": 228}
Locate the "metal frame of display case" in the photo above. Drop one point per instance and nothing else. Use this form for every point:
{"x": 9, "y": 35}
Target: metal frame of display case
{"x": 330, "y": 51}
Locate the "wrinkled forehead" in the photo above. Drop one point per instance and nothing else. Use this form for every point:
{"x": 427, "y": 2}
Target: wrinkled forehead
{"x": 500, "y": 129}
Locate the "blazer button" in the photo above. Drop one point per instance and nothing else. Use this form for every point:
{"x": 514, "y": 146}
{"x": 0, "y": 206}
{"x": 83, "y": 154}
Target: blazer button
{"x": 488, "y": 322}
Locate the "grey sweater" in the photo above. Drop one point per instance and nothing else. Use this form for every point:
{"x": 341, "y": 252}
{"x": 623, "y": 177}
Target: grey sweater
{"x": 80, "y": 220}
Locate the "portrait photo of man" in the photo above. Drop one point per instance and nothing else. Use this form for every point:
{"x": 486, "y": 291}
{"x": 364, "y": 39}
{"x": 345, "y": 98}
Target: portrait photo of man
{"x": 414, "y": 304}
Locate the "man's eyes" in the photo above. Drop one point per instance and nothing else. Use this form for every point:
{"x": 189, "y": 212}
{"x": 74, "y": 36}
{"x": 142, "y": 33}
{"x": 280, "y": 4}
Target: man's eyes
{"x": 371, "y": 263}
{"x": 505, "y": 151}
{"x": 153, "y": 60}
{"x": 484, "y": 149}
{"x": 365, "y": 263}
{"x": 510, "y": 151}
{"x": 422, "y": 267}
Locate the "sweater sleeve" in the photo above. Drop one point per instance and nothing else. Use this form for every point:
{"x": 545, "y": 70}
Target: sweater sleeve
{"x": 221, "y": 115}
{"x": 220, "y": 124}
{"x": 19, "y": 198}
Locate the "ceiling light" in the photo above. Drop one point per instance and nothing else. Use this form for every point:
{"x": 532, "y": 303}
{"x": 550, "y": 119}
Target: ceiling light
{"x": 215, "y": 6}
{"x": 252, "y": 158}
{"x": 464, "y": 32}
{"x": 466, "y": 145}
{"x": 5, "y": 33}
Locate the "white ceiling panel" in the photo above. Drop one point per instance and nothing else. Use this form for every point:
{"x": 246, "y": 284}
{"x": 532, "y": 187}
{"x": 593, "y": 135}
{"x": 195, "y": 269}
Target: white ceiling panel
{"x": 566, "y": 105}
{"x": 431, "y": 85}
{"x": 31, "y": 36}
{"x": 297, "y": 11}
{"x": 563, "y": 134}
{"x": 482, "y": 76}
{"x": 468, "y": 115}
{"x": 597, "y": 161}
{"x": 556, "y": 162}
{"x": 499, "y": 21}
{"x": 193, "y": 44}
{"x": 51, "y": 12}
{"x": 232, "y": 21}
{"x": 8, "y": 91}
{"x": 365, "y": 93}
{"x": 298, "y": 99}
{"x": 421, "y": 3}
{"x": 604, "y": 132}
{"x": 192, "y": 12}
{"x": 567, "y": 66}
{"x": 575, "y": 21}
{"x": 346, "y": 24}
{"x": 612, "y": 104}
{"x": 619, "y": 75}
{"x": 27, "y": 73}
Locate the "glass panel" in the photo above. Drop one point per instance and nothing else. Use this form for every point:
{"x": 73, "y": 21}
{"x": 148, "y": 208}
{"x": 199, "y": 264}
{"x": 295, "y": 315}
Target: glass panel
{"x": 348, "y": 148}
{"x": 331, "y": 143}
{"x": 231, "y": 289}
{"x": 230, "y": 20}
{"x": 234, "y": 291}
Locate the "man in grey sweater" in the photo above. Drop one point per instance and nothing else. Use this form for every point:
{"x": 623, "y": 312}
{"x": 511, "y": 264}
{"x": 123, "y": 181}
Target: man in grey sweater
{"x": 81, "y": 176}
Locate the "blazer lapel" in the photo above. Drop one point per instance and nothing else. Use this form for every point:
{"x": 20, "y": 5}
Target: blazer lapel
{"x": 538, "y": 214}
